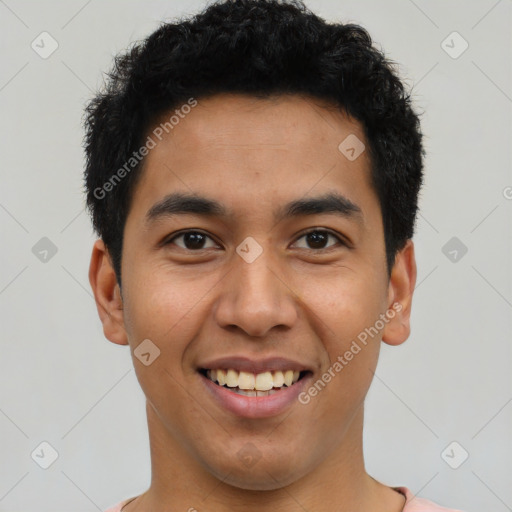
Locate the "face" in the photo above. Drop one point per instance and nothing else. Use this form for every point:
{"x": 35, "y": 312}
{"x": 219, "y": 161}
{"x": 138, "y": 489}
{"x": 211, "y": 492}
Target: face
{"x": 247, "y": 280}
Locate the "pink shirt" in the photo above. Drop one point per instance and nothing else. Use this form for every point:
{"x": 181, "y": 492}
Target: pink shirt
{"x": 413, "y": 504}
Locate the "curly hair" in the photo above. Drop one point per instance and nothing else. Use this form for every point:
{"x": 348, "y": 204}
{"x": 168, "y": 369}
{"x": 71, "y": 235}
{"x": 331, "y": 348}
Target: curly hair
{"x": 259, "y": 48}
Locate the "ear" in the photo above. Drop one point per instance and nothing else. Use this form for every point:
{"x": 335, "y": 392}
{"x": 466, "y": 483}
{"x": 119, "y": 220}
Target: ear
{"x": 107, "y": 294}
{"x": 400, "y": 291}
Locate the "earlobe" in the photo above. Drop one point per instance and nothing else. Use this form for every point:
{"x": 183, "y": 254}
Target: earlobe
{"x": 107, "y": 294}
{"x": 400, "y": 292}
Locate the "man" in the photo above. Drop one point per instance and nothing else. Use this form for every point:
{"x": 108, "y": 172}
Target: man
{"x": 253, "y": 176}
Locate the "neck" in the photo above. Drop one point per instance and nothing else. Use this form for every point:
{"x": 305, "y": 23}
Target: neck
{"x": 339, "y": 482}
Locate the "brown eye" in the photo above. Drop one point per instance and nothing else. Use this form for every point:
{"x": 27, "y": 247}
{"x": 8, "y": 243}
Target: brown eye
{"x": 192, "y": 240}
{"x": 318, "y": 238}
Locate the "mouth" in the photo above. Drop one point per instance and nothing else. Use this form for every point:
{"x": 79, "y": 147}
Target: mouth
{"x": 251, "y": 384}
{"x": 254, "y": 389}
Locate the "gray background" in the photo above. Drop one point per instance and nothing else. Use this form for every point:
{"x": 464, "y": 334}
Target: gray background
{"x": 64, "y": 383}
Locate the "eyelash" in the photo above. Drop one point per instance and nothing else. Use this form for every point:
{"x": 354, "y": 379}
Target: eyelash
{"x": 313, "y": 230}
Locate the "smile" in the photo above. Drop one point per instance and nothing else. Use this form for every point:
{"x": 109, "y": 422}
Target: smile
{"x": 254, "y": 403}
{"x": 253, "y": 384}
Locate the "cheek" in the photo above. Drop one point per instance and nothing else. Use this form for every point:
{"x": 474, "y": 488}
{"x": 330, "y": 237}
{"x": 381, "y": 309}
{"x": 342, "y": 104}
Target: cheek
{"x": 161, "y": 308}
{"x": 162, "y": 302}
{"x": 347, "y": 306}
{"x": 347, "y": 311}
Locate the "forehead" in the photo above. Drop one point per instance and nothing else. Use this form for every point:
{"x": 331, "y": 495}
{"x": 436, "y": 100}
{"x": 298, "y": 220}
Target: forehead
{"x": 282, "y": 122}
{"x": 248, "y": 153}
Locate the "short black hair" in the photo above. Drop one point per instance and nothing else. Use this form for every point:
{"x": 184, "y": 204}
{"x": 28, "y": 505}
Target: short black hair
{"x": 261, "y": 48}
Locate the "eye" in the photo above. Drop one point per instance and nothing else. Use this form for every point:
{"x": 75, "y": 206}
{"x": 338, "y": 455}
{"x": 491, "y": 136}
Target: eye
{"x": 317, "y": 238}
{"x": 192, "y": 240}
{"x": 195, "y": 240}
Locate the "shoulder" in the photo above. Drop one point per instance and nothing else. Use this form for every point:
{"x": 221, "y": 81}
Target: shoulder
{"x": 116, "y": 508}
{"x": 414, "y": 504}
{"x": 119, "y": 506}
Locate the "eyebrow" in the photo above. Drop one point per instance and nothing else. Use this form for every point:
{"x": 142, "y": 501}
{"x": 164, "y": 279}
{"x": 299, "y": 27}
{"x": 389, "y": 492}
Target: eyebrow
{"x": 179, "y": 203}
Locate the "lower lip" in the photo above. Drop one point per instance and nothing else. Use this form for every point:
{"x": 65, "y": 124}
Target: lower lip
{"x": 256, "y": 406}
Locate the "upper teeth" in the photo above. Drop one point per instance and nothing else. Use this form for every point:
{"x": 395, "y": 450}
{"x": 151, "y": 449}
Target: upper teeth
{"x": 259, "y": 381}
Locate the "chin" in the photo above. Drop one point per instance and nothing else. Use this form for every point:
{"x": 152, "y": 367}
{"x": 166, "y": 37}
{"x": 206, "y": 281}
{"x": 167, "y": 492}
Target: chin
{"x": 252, "y": 482}
{"x": 258, "y": 477}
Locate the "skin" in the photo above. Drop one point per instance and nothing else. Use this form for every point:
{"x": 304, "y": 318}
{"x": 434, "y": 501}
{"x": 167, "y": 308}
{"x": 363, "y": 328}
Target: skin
{"x": 293, "y": 300}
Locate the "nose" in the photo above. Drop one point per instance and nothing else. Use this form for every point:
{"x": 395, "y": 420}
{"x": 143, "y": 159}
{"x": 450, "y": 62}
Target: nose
{"x": 255, "y": 297}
